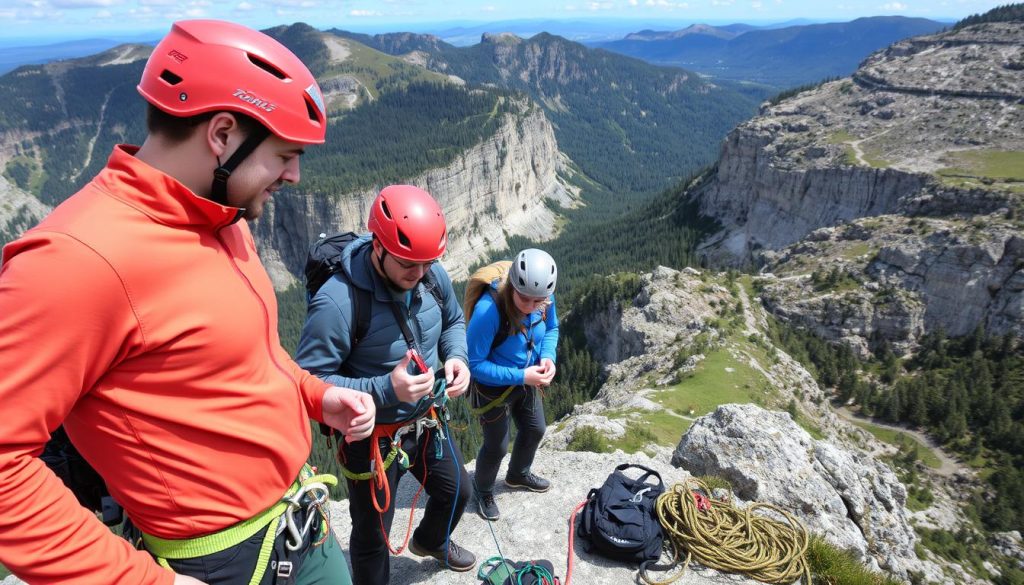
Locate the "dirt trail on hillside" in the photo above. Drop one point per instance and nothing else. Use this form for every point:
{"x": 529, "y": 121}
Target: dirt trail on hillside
{"x": 948, "y": 467}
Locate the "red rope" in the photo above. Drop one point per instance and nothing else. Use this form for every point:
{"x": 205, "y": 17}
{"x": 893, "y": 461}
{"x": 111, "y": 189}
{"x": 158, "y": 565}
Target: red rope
{"x": 412, "y": 510}
{"x": 572, "y": 534}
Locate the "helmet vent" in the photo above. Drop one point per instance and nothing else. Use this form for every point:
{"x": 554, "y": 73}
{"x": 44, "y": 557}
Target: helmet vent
{"x": 266, "y": 66}
{"x": 169, "y": 77}
{"x": 384, "y": 208}
{"x": 311, "y": 110}
{"x": 403, "y": 239}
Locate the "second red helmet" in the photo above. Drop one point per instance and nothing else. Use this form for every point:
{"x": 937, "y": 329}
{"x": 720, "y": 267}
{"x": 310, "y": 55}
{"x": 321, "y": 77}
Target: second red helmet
{"x": 408, "y": 223}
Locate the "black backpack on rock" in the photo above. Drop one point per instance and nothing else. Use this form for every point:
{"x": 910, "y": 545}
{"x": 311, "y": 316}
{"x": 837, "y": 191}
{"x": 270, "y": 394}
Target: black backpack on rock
{"x": 619, "y": 521}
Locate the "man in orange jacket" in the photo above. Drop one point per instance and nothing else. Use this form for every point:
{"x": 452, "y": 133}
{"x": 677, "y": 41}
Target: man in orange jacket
{"x": 138, "y": 315}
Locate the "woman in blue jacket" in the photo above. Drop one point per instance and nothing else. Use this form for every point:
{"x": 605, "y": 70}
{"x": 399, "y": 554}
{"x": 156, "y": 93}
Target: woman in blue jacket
{"x": 512, "y": 337}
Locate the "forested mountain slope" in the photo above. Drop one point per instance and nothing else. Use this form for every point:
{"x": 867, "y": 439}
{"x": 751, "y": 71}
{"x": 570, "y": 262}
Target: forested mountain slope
{"x": 629, "y": 126}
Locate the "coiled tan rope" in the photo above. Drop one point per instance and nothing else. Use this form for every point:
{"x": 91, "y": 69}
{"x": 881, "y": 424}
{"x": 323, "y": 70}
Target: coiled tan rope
{"x": 717, "y": 534}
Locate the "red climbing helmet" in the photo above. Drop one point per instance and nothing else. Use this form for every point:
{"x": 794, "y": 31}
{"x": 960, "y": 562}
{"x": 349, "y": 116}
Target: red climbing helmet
{"x": 210, "y": 65}
{"x": 408, "y": 223}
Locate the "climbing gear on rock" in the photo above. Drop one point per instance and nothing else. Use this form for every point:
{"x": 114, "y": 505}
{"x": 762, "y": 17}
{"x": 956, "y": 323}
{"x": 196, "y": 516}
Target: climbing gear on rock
{"x": 717, "y": 534}
{"x": 501, "y": 571}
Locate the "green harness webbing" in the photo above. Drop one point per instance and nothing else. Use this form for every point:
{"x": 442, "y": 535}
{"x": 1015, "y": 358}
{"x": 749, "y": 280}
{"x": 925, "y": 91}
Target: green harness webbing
{"x": 396, "y": 451}
{"x": 494, "y": 403}
{"x": 190, "y": 548}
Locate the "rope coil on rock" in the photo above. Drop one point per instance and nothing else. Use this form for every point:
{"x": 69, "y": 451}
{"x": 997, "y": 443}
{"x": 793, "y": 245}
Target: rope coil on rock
{"x": 717, "y": 534}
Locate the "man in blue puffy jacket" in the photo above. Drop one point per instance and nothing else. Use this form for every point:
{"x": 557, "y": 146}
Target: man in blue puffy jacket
{"x": 411, "y": 330}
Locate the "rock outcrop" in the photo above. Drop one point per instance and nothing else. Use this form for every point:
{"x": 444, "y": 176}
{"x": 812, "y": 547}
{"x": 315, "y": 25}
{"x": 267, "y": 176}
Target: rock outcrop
{"x": 499, "y": 188}
{"x": 925, "y": 132}
{"x": 853, "y": 501}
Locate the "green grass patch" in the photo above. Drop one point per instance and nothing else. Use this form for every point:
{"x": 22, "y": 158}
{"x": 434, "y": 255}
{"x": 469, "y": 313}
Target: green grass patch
{"x": 857, "y": 250}
{"x": 379, "y": 71}
{"x": 986, "y": 169}
{"x": 873, "y": 157}
{"x": 712, "y": 384}
{"x": 900, "y": 439}
{"x": 849, "y": 157}
{"x": 840, "y": 137}
{"x": 587, "y": 438}
{"x": 638, "y": 435}
{"x": 659, "y": 427}
{"x": 829, "y": 564}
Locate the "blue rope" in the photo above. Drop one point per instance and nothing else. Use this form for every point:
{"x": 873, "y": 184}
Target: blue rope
{"x": 458, "y": 476}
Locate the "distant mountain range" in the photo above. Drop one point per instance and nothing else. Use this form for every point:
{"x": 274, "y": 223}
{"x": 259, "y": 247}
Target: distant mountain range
{"x": 781, "y": 57}
{"x": 14, "y": 55}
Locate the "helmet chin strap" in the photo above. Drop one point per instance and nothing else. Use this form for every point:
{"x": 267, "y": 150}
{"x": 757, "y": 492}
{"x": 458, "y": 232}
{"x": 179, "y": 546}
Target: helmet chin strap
{"x": 219, "y": 190}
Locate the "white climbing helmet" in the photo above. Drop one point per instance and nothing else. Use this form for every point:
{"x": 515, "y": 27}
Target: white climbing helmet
{"x": 533, "y": 273}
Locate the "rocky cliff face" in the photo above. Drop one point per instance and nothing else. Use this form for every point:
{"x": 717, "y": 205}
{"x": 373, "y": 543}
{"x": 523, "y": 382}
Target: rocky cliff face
{"x": 18, "y": 211}
{"x": 925, "y": 132}
{"x": 499, "y": 188}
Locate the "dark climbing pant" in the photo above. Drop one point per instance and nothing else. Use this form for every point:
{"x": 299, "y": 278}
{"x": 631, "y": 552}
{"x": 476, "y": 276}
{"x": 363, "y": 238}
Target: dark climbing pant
{"x": 446, "y": 483}
{"x": 525, "y": 408}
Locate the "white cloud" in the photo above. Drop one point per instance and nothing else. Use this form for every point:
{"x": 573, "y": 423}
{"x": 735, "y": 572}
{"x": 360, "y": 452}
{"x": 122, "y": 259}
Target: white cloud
{"x": 756, "y": 5}
{"x": 195, "y": 13}
{"x": 600, "y": 6}
{"x": 158, "y": 2}
{"x": 721, "y": 2}
{"x": 83, "y": 3}
{"x": 895, "y": 6}
{"x": 633, "y": 2}
{"x": 363, "y": 13}
{"x": 103, "y": 14}
{"x": 244, "y": 6}
{"x": 489, "y": 8}
{"x": 666, "y": 4}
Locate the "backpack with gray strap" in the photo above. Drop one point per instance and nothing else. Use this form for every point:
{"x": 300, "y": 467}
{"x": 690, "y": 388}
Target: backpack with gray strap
{"x": 619, "y": 521}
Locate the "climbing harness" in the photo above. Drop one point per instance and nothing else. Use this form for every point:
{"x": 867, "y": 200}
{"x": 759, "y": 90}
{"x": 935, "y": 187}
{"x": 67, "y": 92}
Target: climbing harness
{"x": 717, "y": 534}
{"x": 391, "y": 435}
{"x": 526, "y": 332}
{"x": 310, "y": 492}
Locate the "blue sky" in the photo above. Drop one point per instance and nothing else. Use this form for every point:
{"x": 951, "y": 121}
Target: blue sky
{"x": 27, "y": 19}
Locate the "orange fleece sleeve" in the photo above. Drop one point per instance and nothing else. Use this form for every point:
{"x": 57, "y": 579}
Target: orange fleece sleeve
{"x": 313, "y": 390}
{"x": 65, "y": 318}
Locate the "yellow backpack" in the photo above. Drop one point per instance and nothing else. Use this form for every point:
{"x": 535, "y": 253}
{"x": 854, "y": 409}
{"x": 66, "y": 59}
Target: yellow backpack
{"x": 484, "y": 281}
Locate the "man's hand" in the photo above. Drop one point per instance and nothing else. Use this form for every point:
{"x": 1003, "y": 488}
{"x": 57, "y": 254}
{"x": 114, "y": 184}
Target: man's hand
{"x": 186, "y": 580}
{"x": 410, "y": 388}
{"x": 456, "y": 374}
{"x": 350, "y": 411}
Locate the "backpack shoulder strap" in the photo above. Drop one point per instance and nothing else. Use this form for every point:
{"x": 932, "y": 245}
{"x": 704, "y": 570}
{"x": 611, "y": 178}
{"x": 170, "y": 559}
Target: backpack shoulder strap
{"x": 361, "y": 304}
{"x": 430, "y": 283}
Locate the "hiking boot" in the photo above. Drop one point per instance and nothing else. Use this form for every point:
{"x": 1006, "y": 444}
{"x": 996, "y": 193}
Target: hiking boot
{"x": 487, "y": 507}
{"x": 531, "y": 482}
{"x": 457, "y": 558}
